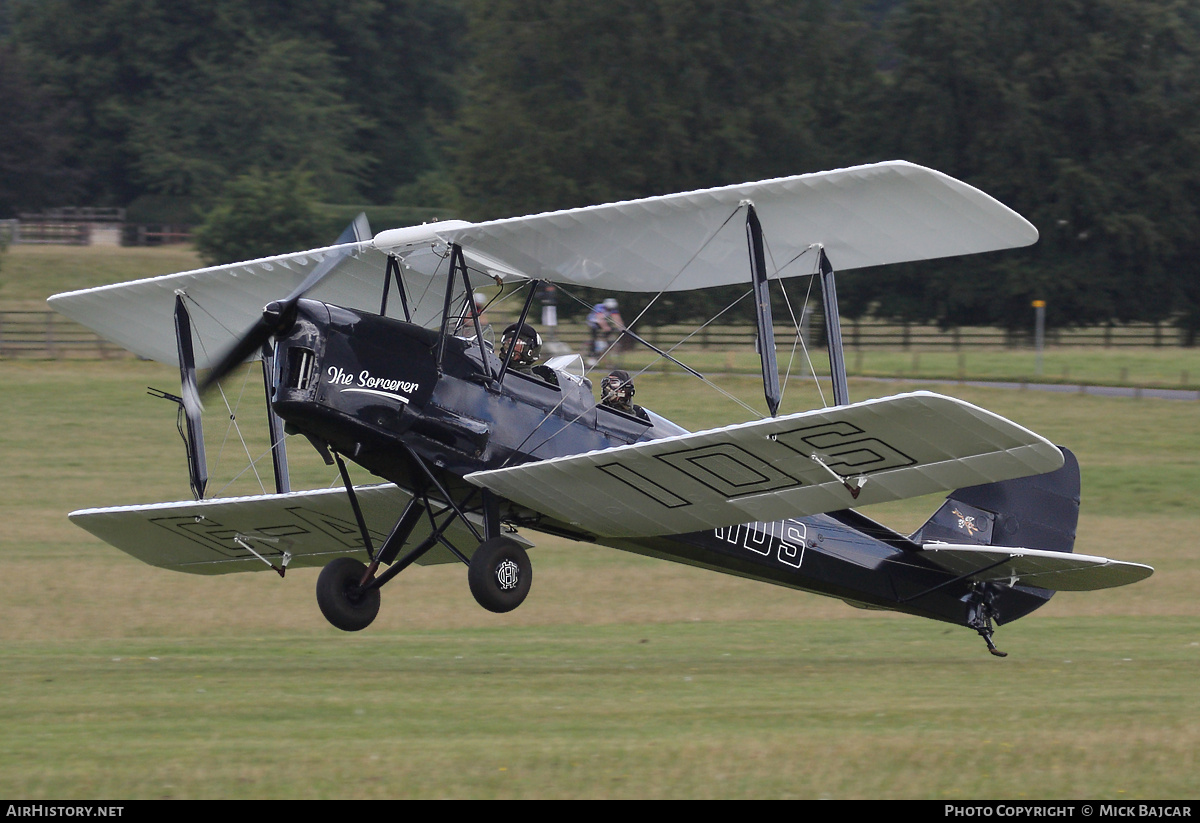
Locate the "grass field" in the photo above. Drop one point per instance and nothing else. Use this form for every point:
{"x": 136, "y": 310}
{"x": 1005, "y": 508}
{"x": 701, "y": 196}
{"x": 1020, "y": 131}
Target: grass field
{"x": 30, "y": 274}
{"x": 619, "y": 677}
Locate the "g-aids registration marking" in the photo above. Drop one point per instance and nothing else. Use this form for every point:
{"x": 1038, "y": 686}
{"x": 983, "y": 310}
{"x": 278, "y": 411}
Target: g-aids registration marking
{"x": 783, "y": 538}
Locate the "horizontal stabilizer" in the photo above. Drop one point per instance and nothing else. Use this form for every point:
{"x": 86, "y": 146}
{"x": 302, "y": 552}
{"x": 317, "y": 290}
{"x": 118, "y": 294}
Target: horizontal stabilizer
{"x": 1056, "y": 571}
{"x": 777, "y": 468}
{"x": 223, "y": 535}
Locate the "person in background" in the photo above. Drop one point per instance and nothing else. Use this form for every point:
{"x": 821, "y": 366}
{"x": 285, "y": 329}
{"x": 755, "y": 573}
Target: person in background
{"x": 605, "y": 323}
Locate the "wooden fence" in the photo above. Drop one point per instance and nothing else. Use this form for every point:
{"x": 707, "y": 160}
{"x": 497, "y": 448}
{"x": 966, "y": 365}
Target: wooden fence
{"x": 79, "y": 232}
{"x": 48, "y": 335}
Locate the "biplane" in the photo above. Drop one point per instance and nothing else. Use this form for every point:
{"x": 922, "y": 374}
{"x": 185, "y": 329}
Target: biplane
{"x": 372, "y": 351}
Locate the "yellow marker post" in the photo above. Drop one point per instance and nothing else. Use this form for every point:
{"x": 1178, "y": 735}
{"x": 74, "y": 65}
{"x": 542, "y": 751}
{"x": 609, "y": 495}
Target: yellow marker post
{"x": 1039, "y": 336}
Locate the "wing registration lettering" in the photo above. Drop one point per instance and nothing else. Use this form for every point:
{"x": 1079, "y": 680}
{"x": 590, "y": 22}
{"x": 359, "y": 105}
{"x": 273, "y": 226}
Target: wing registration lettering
{"x": 221, "y": 538}
{"x": 780, "y": 468}
{"x": 659, "y": 494}
{"x": 729, "y": 470}
{"x": 845, "y": 448}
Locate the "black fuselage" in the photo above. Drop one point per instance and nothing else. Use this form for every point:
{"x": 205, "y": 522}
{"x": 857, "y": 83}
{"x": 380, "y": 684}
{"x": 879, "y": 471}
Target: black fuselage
{"x": 374, "y": 389}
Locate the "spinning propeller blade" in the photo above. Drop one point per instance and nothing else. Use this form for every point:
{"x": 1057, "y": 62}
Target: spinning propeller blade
{"x": 190, "y": 400}
{"x": 279, "y": 315}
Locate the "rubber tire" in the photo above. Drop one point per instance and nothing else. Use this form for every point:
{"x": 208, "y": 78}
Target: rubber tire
{"x": 342, "y": 602}
{"x": 500, "y": 574}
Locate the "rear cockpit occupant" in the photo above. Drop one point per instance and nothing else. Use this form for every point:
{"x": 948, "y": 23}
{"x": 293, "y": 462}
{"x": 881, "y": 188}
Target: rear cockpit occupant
{"x": 616, "y": 392}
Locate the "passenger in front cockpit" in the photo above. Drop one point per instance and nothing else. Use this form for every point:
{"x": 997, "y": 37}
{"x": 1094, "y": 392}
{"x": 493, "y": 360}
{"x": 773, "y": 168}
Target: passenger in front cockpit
{"x": 526, "y": 346}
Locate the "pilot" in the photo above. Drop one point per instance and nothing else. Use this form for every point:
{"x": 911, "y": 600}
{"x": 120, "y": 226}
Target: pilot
{"x": 616, "y": 392}
{"x": 526, "y": 346}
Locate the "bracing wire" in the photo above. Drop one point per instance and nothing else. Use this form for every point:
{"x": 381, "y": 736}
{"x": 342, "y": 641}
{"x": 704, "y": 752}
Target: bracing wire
{"x": 796, "y": 324}
{"x": 231, "y": 411}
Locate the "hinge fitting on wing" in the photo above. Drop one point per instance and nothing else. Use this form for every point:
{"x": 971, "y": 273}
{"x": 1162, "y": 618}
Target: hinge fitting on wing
{"x": 853, "y": 485}
{"x": 281, "y": 569}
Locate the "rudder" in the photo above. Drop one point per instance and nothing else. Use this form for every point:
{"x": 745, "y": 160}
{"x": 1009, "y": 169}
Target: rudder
{"x": 1038, "y": 512}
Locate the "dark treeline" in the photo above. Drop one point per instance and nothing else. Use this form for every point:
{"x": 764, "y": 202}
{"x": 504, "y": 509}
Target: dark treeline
{"x": 1080, "y": 114}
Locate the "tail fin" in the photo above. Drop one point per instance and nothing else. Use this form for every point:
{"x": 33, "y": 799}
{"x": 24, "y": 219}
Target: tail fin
{"x": 1039, "y": 512}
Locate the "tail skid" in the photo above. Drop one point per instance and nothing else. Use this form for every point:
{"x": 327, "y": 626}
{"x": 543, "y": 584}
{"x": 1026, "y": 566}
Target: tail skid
{"x": 1039, "y": 512}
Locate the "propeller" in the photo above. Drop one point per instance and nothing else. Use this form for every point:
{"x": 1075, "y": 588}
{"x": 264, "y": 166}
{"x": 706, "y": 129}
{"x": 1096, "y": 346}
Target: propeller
{"x": 190, "y": 401}
{"x": 279, "y": 315}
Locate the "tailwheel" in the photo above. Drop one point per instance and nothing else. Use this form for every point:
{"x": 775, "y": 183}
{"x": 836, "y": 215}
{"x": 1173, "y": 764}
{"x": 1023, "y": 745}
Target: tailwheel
{"x": 343, "y": 600}
{"x": 500, "y": 574}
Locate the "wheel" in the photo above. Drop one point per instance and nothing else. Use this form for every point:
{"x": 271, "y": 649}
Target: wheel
{"x": 342, "y": 601}
{"x": 500, "y": 574}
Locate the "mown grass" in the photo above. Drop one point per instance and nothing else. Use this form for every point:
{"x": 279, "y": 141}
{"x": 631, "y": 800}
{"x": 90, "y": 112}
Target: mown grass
{"x": 825, "y": 708}
{"x": 620, "y": 677}
{"x": 1169, "y": 367}
{"x": 30, "y": 274}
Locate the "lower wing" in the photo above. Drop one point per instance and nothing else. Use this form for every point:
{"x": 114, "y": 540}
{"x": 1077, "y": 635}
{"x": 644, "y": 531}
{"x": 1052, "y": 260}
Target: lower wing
{"x": 801, "y": 464}
{"x": 238, "y": 534}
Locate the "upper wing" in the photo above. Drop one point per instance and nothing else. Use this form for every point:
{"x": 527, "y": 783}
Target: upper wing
{"x": 1057, "y": 571}
{"x": 870, "y": 215}
{"x": 224, "y": 301}
{"x": 904, "y": 446}
{"x": 223, "y": 535}
{"x": 863, "y": 216}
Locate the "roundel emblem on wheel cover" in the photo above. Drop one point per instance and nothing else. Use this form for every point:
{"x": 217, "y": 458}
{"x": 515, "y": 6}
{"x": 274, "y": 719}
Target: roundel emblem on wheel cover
{"x": 507, "y": 575}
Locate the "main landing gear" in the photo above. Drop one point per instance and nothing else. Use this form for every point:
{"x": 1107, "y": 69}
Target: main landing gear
{"x": 499, "y": 572}
{"x": 499, "y": 575}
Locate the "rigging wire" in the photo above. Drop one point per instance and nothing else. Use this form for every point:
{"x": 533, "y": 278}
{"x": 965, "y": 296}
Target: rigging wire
{"x": 232, "y": 413}
{"x": 797, "y": 324}
{"x": 590, "y": 368}
{"x": 683, "y": 340}
{"x": 233, "y": 425}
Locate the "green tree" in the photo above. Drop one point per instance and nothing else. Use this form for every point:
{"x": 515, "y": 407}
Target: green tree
{"x": 1081, "y": 115}
{"x": 34, "y": 152}
{"x": 272, "y": 106}
{"x": 259, "y": 214}
{"x": 567, "y": 103}
{"x": 124, "y": 68}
